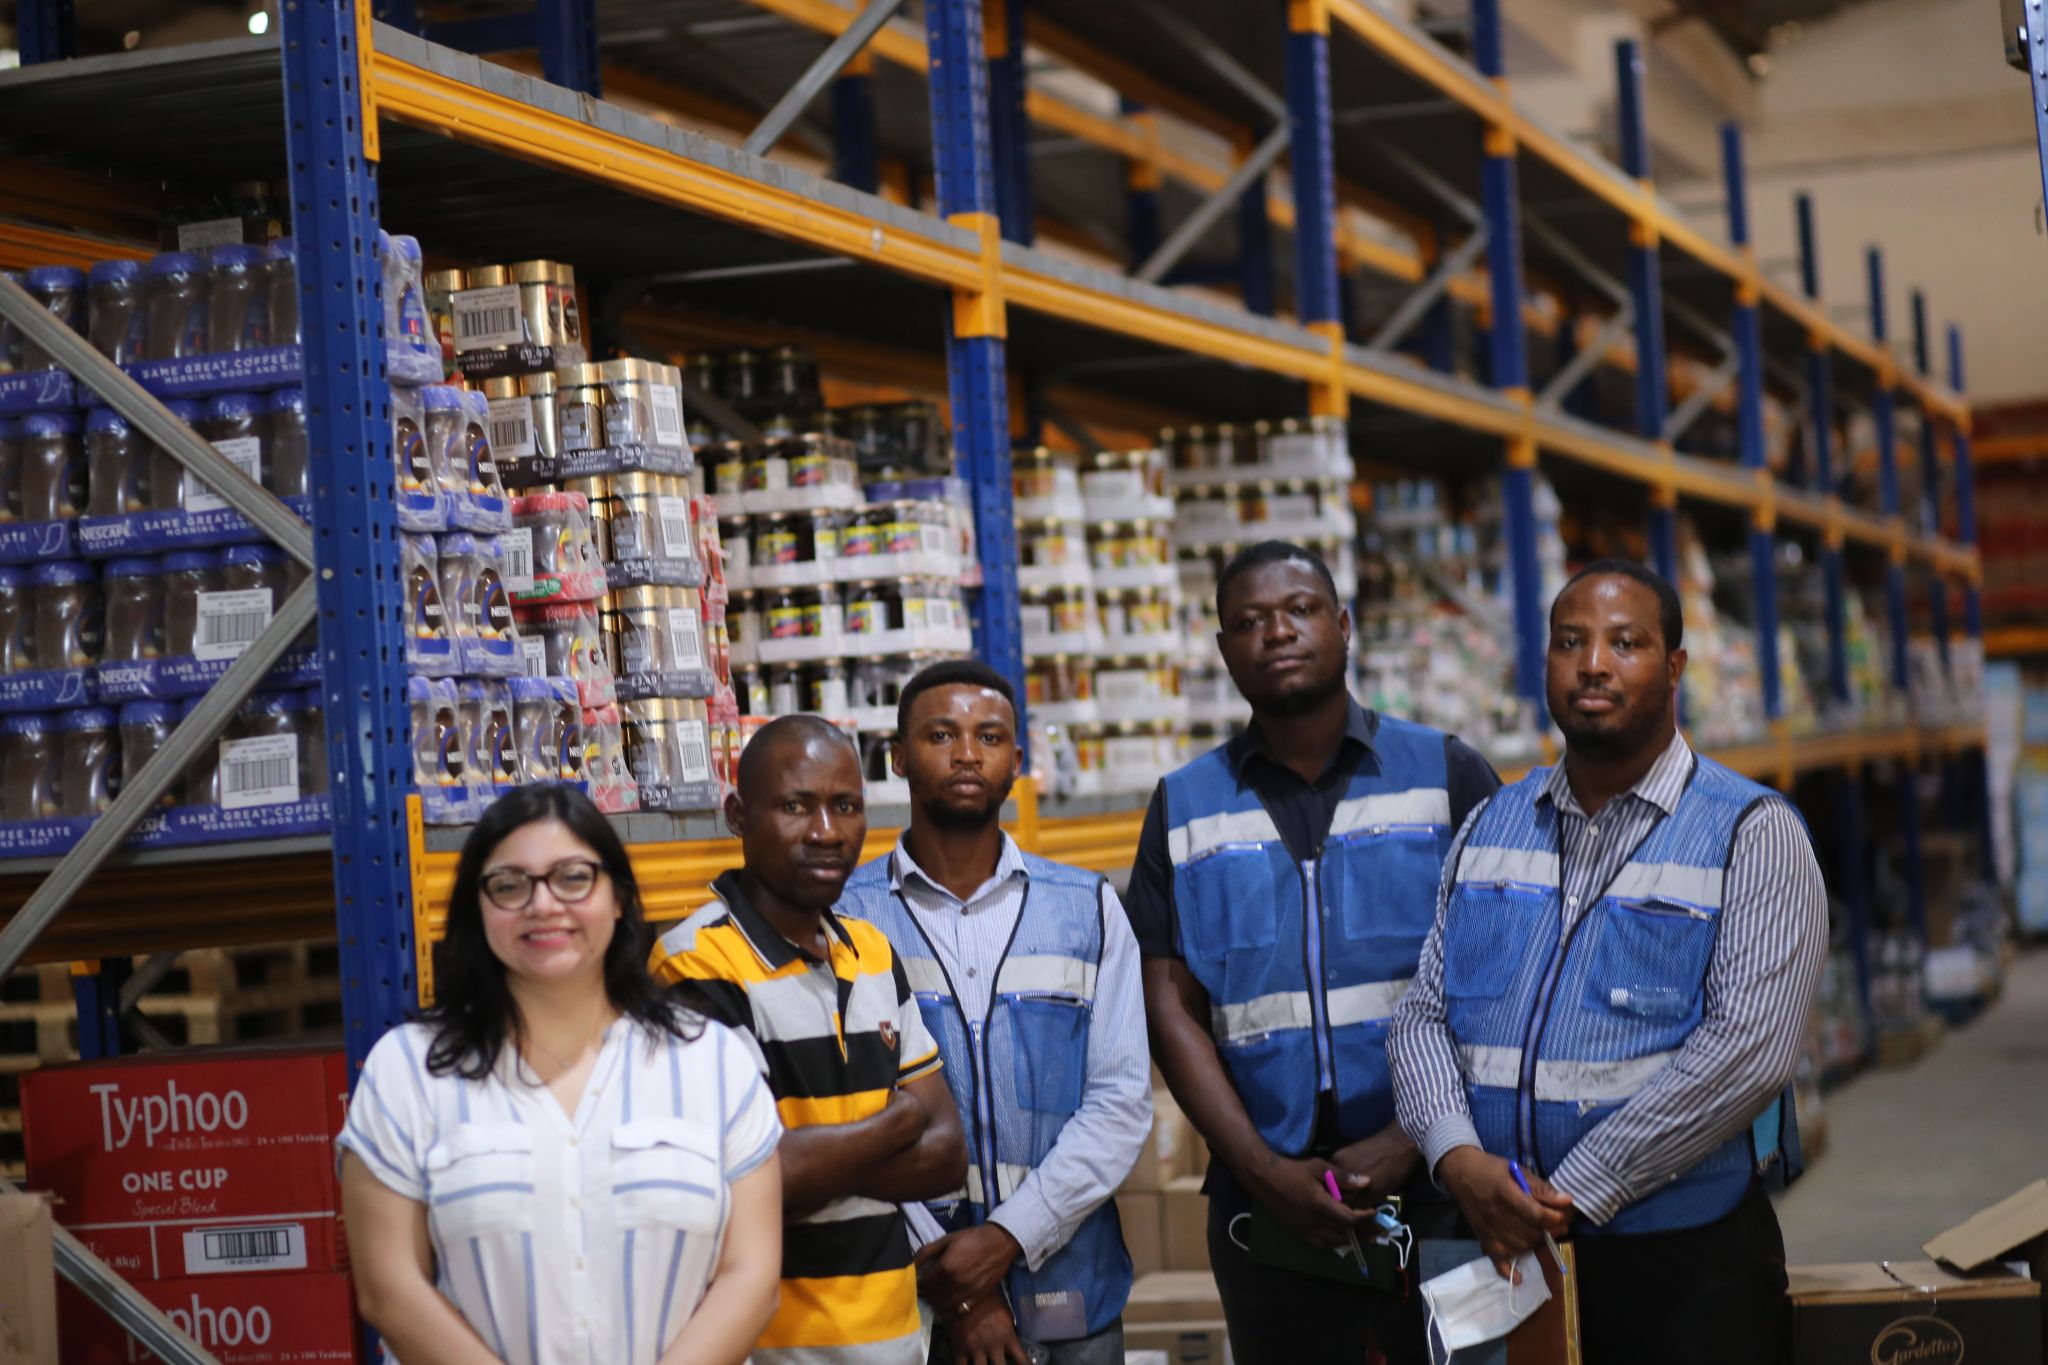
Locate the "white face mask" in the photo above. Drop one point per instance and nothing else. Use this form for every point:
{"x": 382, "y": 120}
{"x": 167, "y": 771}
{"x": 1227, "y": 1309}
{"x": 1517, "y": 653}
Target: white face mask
{"x": 1472, "y": 1303}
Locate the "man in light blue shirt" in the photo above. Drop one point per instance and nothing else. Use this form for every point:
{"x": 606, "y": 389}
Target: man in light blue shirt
{"x": 1027, "y": 974}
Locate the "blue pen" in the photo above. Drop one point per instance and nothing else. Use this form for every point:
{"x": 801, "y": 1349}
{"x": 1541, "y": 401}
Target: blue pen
{"x": 1515, "y": 1170}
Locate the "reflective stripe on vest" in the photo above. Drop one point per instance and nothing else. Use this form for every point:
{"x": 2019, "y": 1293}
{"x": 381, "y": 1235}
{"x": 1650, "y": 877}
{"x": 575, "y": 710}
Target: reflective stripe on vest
{"x": 1036, "y": 975}
{"x": 1360, "y": 1004}
{"x": 1416, "y": 806}
{"x": 1562, "y": 1082}
{"x": 1207, "y": 834}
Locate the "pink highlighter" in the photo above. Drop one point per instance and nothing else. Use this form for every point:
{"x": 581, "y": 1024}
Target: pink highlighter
{"x": 1357, "y": 1252}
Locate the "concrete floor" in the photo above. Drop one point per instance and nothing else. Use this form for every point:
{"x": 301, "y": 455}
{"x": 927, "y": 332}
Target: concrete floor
{"x": 1915, "y": 1150}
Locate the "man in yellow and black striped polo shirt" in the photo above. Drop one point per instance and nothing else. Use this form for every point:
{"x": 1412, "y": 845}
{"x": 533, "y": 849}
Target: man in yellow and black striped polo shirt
{"x": 856, "y": 1079}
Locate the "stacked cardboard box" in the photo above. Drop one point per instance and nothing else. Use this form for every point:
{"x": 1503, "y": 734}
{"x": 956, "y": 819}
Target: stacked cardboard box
{"x": 206, "y": 1179}
{"x": 1164, "y": 1212}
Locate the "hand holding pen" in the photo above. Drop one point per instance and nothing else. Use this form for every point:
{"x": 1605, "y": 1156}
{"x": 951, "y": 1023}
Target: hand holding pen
{"x": 1522, "y": 1182}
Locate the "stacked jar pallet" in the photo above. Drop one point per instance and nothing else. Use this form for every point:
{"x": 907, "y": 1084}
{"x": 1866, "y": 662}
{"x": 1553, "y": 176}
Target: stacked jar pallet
{"x": 1101, "y": 616}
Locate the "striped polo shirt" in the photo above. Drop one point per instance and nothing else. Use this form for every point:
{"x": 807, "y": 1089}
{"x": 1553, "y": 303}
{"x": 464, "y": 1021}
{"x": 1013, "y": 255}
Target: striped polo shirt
{"x": 836, "y": 1038}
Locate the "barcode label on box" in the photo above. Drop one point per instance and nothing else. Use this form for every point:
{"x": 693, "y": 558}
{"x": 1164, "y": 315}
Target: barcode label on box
{"x": 1290, "y": 507}
{"x": 675, "y": 526}
{"x": 694, "y": 742}
{"x": 260, "y": 771}
{"x": 516, "y": 545}
{"x": 512, "y": 428}
{"x": 1139, "y": 751}
{"x": 534, "y": 654}
{"x": 934, "y": 537}
{"x": 667, "y": 406}
{"x": 228, "y": 621}
{"x": 244, "y": 452}
{"x": 938, "y": 613}
{"x": 212, "y": 232}
{"x": 488, "y": 318}
{"x": 1034, "y": 619}
{"x": 687, "y": 633}
{"x": 1113, "y": 485}
{"x": 218, "y": 1251}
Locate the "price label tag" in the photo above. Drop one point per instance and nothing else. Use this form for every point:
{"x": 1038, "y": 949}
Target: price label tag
{"x": 512, "y": 428}
{"x": 229, "y": 621}
{"x": 261, "y": 771}
{"x": 244, "y": 452}
{"x": 488, "y": 318}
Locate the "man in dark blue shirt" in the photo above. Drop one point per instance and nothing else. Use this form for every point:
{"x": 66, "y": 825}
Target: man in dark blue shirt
{"x": 1281, "y": 892}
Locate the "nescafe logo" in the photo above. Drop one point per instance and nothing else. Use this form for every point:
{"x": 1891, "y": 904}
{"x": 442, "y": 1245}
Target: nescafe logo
{"x": 1917, "y": 1341}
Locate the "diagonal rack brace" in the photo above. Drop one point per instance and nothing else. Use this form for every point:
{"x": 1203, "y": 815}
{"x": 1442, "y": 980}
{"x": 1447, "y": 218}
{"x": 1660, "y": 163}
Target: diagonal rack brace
{"x": 1249, "y": 171}
{"x": 121, "y": 1301}
{"x": 120, "y": 392}
{"x": 830, "y": 63}
{"x": 140, "y": 792}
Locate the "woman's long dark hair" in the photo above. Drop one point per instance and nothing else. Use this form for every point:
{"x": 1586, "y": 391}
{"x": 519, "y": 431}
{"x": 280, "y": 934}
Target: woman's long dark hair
{"x": 473, "y": 1015}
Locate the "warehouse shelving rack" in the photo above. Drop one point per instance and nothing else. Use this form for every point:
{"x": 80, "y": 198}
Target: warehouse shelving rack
{"x": 487, "y": 157}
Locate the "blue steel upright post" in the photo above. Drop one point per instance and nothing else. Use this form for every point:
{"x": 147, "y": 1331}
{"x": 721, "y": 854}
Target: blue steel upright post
{"x": 1508, "y": 357}
{"x": 963, "y": 171}
{"x": 45, "y": 30}
{"x": 1255, "y": 250}
{"x": 1646, "y": 291}
{"x": 855, "y": 161}
{"x": 328, "y": 111}
{"x": 1973, "y": 602}
{"x": 1141, "y": 188}
{"x": 1820, "y": 372}
{"x": 567, "y": 30}
{"x": 1009, "y": 127}
{"x": 1883, "y": 414}
{"x": 1747, "y": 325}
{"x": 1930, "y": 477}
{"x": 1311, "y": 149}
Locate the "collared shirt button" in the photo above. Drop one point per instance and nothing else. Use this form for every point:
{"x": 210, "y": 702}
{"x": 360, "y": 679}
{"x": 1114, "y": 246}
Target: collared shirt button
{"x": 974, "y": 971}
{"x": 1572, "y": 901}
{"x": 1595, "y": 831}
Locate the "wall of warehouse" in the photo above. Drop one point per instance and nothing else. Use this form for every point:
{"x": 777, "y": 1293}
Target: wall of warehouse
{"x": 1899, "y": 117}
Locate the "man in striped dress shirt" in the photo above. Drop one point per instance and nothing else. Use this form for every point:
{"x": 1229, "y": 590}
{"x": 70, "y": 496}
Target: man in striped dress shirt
{"x": 1625, "y": 954}
{"x": 856, "y": 1077}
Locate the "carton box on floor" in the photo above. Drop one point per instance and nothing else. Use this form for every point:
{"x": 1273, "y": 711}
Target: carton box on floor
{"x": 28, "y": 1282}
{"x": 1912, "y": 1313}
{"x": 194, "y": 1163}
{"x": 1141, "y": 1216}
{"x": 2013, "y": 1229}
{"x": 1184, "y": 1229}
{"x": 1172, "y": 1148}
{"x": 1179, "y": 1313}
{"x": 241, "y": 1319}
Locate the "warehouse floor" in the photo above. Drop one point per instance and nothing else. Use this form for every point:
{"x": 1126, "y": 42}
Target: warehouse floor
{"x": 1918, "y": 1149}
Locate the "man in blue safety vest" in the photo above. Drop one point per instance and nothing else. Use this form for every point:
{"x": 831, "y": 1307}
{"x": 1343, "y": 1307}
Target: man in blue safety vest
{"x": 1027, "y": 974}
{"x": 1283, "y": 886}
{"x": 1624, "y": 957}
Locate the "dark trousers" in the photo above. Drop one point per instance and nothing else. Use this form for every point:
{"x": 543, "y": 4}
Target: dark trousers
{"x": 1278, "y": 1318}
{"x": 1704, "y": 1296}
{"x": 1104, "y": 1348}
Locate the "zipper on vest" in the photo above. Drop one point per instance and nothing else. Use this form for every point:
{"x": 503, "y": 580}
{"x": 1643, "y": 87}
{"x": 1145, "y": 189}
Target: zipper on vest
{"x": 1313, "y": 947}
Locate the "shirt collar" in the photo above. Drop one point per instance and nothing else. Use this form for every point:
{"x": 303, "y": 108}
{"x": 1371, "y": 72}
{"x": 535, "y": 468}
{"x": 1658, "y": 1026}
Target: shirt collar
{"x": 1359, "y": 724}
{"x": 764, "y": 938}
{"x": 903, "y": 867}
{"x": 1661, "y": 786}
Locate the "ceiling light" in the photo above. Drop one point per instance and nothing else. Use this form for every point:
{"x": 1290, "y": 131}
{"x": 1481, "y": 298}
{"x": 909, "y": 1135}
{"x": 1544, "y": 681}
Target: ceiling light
{"x": 259, "y": 22}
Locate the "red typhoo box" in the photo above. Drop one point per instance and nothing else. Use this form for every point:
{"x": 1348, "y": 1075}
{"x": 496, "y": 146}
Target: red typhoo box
{"x": 241, "y": 1319}
{"x": 216, "y": 1162}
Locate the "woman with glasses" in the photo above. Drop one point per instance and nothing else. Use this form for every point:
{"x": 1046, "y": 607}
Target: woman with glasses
{"x": 557, "y": 1162}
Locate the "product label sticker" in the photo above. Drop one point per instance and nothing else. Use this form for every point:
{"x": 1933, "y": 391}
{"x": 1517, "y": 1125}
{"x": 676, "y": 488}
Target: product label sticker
{"x": 516, "y": 545}
{"x": 512, "y": 428}
{"x": 486, "y": 319}
{"x": 667, "y": 407}
{"x": 938, "y": 613}
{"x": 1113, "y": 485}
{"x": 1125, "y": 685}
{"x": 675, "y": 525}
{"x": 1034, "y": 619}
{"x": 933, "y": 537}
{"x": 212, "y": 232}
{"x": 687, "y": 632}
{"x": 219, "y": 1251}
{"x": 259, "y": 771}
{"x": 534, "y": 655}
{"x": 694, "y": 742}
{"x": 228, "y": 621}
{"x": 245, "y": 453}
{"x": 1130, "y": 752}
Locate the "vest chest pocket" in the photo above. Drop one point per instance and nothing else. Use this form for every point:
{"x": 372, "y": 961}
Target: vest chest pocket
{"x": 1230, "y": 899}
{"x": 1051, "y": 1051}
{"x": 1650, "y": 960}
{"x": 1383, "y": 883}
{"x": 480, "y": 1180}
{"x": 1487, "y": 928}
{"x": 666, "y": 1172}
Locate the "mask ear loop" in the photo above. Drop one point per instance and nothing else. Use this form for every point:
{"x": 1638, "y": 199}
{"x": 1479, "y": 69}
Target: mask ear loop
{"x": 1230, "y": 1231}
{"x": 1513, "y": 1311}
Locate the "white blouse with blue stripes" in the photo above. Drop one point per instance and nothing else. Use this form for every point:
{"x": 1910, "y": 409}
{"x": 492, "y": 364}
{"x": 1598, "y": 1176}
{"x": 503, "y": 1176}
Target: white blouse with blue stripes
{"x": 584, "y": 1238}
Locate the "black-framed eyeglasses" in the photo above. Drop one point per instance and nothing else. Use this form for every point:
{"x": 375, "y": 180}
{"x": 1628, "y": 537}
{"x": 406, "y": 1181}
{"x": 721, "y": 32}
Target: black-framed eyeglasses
{"x": 571, "y": 881}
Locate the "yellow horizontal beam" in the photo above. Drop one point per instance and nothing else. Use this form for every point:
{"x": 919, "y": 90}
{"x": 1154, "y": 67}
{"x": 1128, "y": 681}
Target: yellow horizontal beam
{"x": 425, "y": 99}
{"x": 2008, "y": 449}
{"x": 2015, "y": 642}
